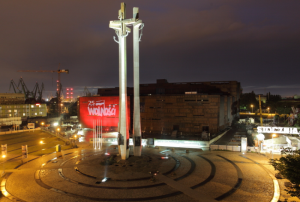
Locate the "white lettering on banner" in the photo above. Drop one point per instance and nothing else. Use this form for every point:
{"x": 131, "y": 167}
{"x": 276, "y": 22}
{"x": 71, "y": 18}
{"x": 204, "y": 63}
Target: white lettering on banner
{"x": 98, "y": 109}
{"x": 284, "y": 130}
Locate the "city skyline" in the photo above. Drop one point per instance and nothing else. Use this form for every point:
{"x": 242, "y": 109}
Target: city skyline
{"x": 255, "y": 43}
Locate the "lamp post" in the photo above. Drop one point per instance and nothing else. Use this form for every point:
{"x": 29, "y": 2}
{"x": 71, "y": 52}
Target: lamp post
{"x": 75, "y": 136}
{"x": 58, "y": 129}
{"x": 252, "y": 108}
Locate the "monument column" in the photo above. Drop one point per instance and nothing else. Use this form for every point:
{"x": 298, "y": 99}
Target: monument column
{"x": 137, "y": 137}
{"x": 122, "y": 32}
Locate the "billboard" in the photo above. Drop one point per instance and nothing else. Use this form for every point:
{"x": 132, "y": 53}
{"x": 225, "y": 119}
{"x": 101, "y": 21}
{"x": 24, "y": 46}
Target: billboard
{"x": 105, "y": 108}
{"x": 31, "y": 125}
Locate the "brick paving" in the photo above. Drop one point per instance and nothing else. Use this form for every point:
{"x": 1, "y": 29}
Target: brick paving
{"x": 201, "y": 176}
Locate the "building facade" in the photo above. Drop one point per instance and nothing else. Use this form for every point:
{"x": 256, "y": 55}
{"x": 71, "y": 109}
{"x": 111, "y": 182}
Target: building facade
{"x": 23, "y": 110}
{"x": 12, "y": 98}
{"x": 186, "y": 107}
{"x": 188, "y": 114}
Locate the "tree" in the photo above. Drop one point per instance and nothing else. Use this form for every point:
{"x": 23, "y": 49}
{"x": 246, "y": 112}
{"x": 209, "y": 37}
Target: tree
{"x": 248, "y": 99}
{"x": 289, "y": 167}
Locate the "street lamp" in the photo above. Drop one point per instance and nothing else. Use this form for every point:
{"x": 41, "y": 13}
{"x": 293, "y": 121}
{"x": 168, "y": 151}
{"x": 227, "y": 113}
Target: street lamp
{"x": 75, "y": 136}
{"x": 269, "y": 110}
{"x": 252, "y": 108}
{"x": 58, "y": 129}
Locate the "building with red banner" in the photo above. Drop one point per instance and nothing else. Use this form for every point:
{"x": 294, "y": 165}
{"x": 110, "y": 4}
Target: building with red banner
{"x": 101, "y": 108}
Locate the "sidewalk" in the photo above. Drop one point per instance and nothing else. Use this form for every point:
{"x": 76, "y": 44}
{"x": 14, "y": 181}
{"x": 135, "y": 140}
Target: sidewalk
{"x": 226, "y": 138}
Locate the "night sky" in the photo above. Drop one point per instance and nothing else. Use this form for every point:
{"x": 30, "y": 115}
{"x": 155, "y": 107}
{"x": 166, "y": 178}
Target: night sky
{"x": 254, "y": 42}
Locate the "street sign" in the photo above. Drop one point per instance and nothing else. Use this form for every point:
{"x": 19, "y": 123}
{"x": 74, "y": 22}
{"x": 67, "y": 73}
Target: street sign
{"x": 4, "y": 150}
{"x": 31, "y": 125}
{"x": 243, "y": 145}
{"x": 24, "y": 152}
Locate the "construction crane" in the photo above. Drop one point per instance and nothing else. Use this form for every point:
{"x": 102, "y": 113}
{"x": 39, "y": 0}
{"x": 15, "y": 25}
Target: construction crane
{"x": 58, "y": 85}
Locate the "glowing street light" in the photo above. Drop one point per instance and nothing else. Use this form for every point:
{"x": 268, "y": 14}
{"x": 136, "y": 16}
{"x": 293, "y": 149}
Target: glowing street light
{"x": 41, "y": 142}
{"x": 57, "y": 131}
{"x": 252, "y": 108}
{"x": 269, "y": 110}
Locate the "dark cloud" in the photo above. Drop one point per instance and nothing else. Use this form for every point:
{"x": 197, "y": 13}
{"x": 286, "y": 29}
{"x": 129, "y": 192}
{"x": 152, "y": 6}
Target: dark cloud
{"x": 254, "y": 42}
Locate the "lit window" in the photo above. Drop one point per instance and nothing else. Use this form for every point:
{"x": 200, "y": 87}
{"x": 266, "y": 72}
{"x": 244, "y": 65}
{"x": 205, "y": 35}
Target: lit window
{"x": 24, "y": 114}
{"x": 9, "y": 110}
{"x": 41, "y": 113}
{"x": 35, "y": 113}
{"x": 32, "y": 106}
{"x": 15, "y": 110}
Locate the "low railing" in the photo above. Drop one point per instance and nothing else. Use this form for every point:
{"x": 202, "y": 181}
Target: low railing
{"x": 18, "y": 131}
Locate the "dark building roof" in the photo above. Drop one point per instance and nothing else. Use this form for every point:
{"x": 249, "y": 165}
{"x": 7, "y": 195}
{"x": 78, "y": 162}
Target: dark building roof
{"x": 162, "y": 86}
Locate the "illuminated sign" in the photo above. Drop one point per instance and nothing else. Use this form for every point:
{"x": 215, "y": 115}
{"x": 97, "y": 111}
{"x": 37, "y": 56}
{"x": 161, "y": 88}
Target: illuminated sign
{"x": 244, "y": 144}
{"x": 98, "y": 108}
{"x": 282, "y": 130}
{"x": 105, "y": 108}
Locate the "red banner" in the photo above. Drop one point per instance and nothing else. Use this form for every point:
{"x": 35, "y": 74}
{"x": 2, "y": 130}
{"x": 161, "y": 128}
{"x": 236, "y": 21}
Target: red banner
{"x": 101, "y": 108}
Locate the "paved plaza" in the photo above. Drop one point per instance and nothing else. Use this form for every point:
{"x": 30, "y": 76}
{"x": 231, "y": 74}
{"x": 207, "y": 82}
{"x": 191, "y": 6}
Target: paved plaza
{"x": 160, "y": 174}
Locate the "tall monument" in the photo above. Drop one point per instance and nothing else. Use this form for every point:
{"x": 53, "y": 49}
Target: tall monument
{"x": 122, "y": 31}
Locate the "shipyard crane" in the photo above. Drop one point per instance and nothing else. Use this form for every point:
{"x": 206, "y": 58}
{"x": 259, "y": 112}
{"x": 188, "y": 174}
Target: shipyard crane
{"x": 14, "y": 86}
{"x": 58, "y": 85}
{"x": 87, "y": 92}
{"x": 30, "y": 96}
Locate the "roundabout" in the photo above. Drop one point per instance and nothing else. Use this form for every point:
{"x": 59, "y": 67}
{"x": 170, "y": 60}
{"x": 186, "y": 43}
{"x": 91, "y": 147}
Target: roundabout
{"x": 86, "y": 174}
